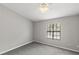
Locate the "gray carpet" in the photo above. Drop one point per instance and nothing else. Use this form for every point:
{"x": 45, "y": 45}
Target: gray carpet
{"x": 39, "y": 49}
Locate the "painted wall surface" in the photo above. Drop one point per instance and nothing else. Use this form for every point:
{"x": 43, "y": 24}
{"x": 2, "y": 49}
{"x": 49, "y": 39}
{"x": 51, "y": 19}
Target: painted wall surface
{"x": 14, "y": 29}
{"x": 69, "y": 32}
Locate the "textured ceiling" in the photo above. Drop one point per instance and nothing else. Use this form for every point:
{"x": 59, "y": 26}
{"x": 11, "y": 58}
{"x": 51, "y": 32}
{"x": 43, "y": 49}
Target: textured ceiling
{"x": 56, "y": 10}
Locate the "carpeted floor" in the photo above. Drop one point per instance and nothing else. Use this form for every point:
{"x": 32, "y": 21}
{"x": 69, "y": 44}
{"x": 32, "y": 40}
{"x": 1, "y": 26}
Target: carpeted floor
{"x": 39, "y": 49}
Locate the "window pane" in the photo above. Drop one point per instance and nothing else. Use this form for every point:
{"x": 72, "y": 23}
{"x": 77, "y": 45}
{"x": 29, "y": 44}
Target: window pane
{"x": 58, "y": 29}
{"x": 49, "y": 34}
{"x": 58, "y": 33}
{"x": 58, "y": 25}
{"x": 55, "y": 37}
{"x": 54, "y": 27}
{"x": 55, "y": 33}
{"x": 58, "y": 37}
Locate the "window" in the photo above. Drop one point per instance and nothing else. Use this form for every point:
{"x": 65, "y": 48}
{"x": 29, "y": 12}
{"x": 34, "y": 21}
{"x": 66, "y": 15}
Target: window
{"x": 54, "y": 31}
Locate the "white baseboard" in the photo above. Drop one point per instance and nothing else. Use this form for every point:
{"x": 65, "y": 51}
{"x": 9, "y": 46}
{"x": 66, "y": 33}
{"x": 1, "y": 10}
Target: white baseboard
{"x": 17, "y": 46}
{"x": 59, "y": 47}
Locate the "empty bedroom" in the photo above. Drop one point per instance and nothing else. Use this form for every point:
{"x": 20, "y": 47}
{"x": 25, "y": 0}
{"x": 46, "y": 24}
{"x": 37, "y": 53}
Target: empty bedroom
{"x": 39, "y": 28}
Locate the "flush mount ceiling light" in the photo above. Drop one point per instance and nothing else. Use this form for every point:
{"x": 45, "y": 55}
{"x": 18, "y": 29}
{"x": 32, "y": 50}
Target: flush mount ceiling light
{"x": 43, "y": 7}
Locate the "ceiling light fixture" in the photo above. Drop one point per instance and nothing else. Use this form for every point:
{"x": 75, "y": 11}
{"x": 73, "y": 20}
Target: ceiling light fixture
{"x": 43, "y": 7}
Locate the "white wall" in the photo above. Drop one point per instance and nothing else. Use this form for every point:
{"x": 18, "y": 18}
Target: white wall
{"x": 14, "y": 30}
{"x": 69, "y": 32}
